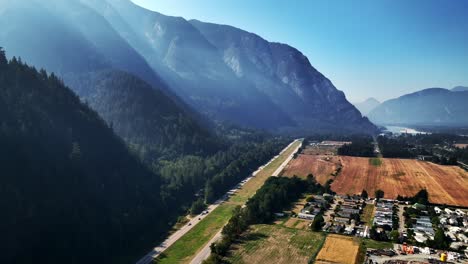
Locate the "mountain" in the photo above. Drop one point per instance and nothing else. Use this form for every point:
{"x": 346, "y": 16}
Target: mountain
{"x": 367, "y": 106}
{"x": 78, "y": 44}
{"x": 433, "y": 106}
{"x": 151, "y": 123}
{"x": 459, "y": 89}
{"x": 232, "y": 75}
{"x": 70, "y": 188}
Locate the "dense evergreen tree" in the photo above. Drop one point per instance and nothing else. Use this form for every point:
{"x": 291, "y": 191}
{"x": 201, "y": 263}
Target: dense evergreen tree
{"x": 364, "y": 194}
{"x": 379, "y": 194}
{"x": 197, "y": 207}
{"x": 154, "y": 126}
{"x": 70, "y": 188}
{"x": 360, "y": 147}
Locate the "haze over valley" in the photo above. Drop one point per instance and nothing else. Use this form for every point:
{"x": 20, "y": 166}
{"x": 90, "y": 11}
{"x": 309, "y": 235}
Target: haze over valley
{"x": 132, "y": 136}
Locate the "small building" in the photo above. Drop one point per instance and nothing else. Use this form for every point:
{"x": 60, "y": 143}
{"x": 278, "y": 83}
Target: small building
{"x": 419, "y": 206}
{"x": 306, "y": 216}
{"x": 342, "y": 220}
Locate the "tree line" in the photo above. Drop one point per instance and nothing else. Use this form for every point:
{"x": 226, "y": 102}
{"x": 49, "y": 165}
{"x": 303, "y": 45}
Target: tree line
{"x": 274, "y": 196}
{"x": 361, "y": 146}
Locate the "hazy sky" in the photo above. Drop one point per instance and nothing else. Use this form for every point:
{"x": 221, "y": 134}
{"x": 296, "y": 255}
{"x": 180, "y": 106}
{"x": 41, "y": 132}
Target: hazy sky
{"x": 367, "y": 48}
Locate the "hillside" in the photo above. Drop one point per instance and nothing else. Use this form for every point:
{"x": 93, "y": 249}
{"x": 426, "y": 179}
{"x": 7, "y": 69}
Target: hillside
{"x": 232, "y": 75}
{"x": 81, "y": 47}
{"x": 459, "y": 89}
{"x": 151, "y": 123}
{"x": 68, "y": 182}
{"x": 367, "y": 106}
{"x": 433, "y": 106}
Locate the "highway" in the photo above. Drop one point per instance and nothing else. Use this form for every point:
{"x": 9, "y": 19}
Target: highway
{"x": 205, "y": 252}
{"x": 148, "y": 258}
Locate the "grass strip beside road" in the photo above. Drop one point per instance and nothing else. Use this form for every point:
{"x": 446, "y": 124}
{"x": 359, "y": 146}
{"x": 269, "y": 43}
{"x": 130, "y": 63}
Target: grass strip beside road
{"x": 249, "y": 189}
{"x": 184, "y": 249}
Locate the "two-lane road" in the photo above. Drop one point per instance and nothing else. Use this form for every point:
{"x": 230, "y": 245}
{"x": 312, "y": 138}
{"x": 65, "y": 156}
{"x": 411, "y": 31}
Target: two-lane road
{"x": 205, "y": 252}
{"x": 148, "y": 258}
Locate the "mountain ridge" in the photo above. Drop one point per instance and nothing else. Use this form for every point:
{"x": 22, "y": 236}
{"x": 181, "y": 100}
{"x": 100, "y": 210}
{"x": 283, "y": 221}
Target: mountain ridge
{"x": 72, "y": 43}
{"x": 199, "y": 77}
{"x": 431, "y": 106}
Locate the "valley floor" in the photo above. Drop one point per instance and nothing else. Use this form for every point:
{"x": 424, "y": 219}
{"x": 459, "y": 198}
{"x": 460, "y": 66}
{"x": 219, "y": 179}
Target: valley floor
{"x": 189, "y": 246}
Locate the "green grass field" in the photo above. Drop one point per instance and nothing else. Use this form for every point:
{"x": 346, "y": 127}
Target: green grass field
{"x": 369, "y": 243}
{"x": 367, "y": 214}
{"x": 188, "y": 245}
{"x": 276, "y": 244}
{"x": 184, "y": 249}
{"x": 375, "y": 162}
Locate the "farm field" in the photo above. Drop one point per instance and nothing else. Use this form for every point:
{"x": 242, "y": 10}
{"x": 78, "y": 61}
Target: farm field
{"x": 276, "y": 244}
{"x": 461, "y": 145}
{"x": 446, "y": 184}
{"x": 321, "y": 166}
{"x": 338, "y": 249}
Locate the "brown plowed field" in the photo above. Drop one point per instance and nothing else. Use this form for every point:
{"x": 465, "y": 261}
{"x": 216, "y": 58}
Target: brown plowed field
{"x": 445, "y": 184}
{"x": 320, "y": 166}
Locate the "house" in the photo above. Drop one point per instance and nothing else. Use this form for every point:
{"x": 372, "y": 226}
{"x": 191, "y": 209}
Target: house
{"x": 443, "y": 220}
{"x": 448, "y": 211}
{"x": 459, "y": 212}
{"x": 350, "y": 210}
{"x": 425, "y": 157}
{"x": 344, "y": 214}
{"x": 419, "y": 206}
{"x": 462, "y": 238}
{"x": 306, "y": 216}
{"x": 341, "y": 220}
{"x": 453, "y": 221}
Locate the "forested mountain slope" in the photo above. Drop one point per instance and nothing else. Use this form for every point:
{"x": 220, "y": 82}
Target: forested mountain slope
{"x": 70, "y": 189}
{"x": 152, "y": 124}
{"x": 81, "y": 47}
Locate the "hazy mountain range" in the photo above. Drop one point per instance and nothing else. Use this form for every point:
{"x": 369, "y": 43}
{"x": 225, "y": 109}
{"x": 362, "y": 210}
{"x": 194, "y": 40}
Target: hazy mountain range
{"x": 225, "y": 73}
{"x": 433, "y": 106}
{"x": 367, "y": 106}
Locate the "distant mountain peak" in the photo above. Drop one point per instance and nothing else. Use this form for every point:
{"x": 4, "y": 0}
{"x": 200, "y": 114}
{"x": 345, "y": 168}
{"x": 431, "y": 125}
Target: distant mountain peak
{"x": 459, "y": 89}
{"x": 367, "y": 105}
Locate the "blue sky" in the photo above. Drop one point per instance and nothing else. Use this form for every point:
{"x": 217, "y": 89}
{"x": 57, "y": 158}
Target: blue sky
{"x": 368, "y": 48}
